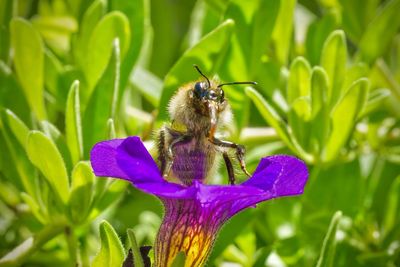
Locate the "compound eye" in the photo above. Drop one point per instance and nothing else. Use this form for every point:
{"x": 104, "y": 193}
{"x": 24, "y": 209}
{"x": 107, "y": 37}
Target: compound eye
{"x": 198, "y": 90}
{"x": 212, "y": 95}
{"x": 221, "y": 96}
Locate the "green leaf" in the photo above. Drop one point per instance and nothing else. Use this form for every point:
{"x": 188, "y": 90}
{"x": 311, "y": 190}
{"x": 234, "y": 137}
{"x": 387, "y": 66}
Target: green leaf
{"x": 81, "y": 191}
{"x": 317, "y": 33}
{"x": 89, "y": 21}
{"x": 380, "y": 32}
{"x": 179, "y": 260}
{"x": 137, "y": 257}
{"x": 44, "y": 154}
{"x": 319, "y": 109}
{"x": 327, "y": 253}
{"x": 208, "y": 54}
{"x": 148, "y": 84}
{"x": 15, "y": 133}
{"x": 6, "y": 8}
{"x": 28, "y": 61}
{"x": 102, "y": 104}
{"x": 34, "y": 207}
{"x": 299, "y": 80}
{"x": 333, "y": 60}
{"x": 73, "y": 127}
{"x": 274, "y": 120}
{"x": 376, "y": 101}
{"x": 115, "y": 25}
{"x": 19, "y": 129}
{"x": 111, "y": 251}
{"x": 391, "y": 218}
{"x": 299, "y": 117}
{"x": 138, "y": 13}
{"x": 344, "y": 117}
{"x": 282, "y": 34}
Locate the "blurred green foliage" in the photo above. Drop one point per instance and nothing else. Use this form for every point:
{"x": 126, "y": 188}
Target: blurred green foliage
{"x": 75, "y": 72}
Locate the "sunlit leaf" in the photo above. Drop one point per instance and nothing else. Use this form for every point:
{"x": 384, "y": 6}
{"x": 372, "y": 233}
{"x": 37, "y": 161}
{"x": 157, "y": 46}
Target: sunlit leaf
{"x": 81, "y": 191}
{"x": 114, "y": 25}
{"x": 102, "y": 104}
{"x": 28, "y": 61}
{"x": 45, "y": 156}
{"x": 299, "y": 80}
{"x": 333, "y": 60}
{"x": 111, "y": 251}
{"x": 73, "y": 127}
{"x": 344, "y": 115}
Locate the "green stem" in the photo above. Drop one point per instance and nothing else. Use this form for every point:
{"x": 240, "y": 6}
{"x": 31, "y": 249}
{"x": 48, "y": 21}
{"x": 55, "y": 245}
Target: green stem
{"x": 20, "y": 253}
{"x": 72, "y": 243}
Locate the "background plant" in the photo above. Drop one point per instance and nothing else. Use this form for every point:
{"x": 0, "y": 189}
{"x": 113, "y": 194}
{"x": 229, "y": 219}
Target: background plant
{"x": 76, "y": 72}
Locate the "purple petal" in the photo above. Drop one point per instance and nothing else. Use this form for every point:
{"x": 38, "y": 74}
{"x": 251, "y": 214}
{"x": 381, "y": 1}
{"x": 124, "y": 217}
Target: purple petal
{"x": 128, "y": 159}
{"x": 282, "y": 175}
{"x": 103, "y": 159}
{"x": 133, "y": 159}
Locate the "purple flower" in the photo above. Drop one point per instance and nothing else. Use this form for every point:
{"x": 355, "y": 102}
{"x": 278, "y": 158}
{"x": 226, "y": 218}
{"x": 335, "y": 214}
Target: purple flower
{"x": 194, "y": 214}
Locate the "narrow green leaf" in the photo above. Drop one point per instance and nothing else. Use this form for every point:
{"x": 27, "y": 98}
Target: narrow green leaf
{"x": 273, "y": 119}
{"x": 319, "y": 109}
{"x": 333, "y": 60}
{"x": 102, "y": 104}
{"x": 111, "y": 129}
{"x": 344, "y": 117}
{"x": 111, "y": 251}
{"x": 391, "y": 217}
{"x": 319, "y": 90}
{"x": 327, "y": 253}
{"x": 299, "y": 80}
{"x": 179, "y": 260}
{"x": 115, "y": 25}
{"x": 148, "y": 84}
{"x": 298, "y": 118}
{"x": 138, "y": 13}
{"x": 282, "y": 34}
{"x": 15, "y": 133}
{"x": 380, "y": 32}
{"x": 137, "y": 257}
{"x": 81, "y": 191}
{"x": 89, "y": 21}
{"x": 19, "y": 129}
{"x": 317, "y": 33}
{"x": 73, "y": 127}
{"x": 44, "y": 154}
{"x": 208, "y": 53}
{"x": 28, "y": 61}
{"x": 34, "y": 207}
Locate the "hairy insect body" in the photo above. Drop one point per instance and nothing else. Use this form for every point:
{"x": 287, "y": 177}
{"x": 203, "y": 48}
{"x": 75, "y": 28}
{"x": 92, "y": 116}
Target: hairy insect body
{"x": 188, "y": 147}
{"x": 194, "y": 156}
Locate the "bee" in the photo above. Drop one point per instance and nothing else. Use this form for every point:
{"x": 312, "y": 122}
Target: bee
{"x": 188, "y": 147}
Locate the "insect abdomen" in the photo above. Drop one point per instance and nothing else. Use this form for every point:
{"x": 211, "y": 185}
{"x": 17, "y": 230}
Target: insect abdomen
{"x": 192, "y": 161}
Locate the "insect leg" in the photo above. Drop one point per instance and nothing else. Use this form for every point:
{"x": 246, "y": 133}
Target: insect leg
{"x": 229, "y": 168}
{"x": 240, "y": 151}
{"x": 161, "y": 150}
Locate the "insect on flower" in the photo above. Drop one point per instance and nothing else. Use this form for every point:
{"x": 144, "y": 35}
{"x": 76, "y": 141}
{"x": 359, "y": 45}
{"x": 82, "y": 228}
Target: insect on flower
{"x": 188, "y": 147}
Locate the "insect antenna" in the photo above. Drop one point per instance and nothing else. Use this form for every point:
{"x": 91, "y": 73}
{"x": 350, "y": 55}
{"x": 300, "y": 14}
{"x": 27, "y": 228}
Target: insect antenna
{"x": 220, "y": 85}
{"x": 198, "y": 69}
